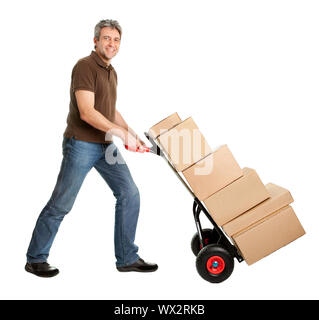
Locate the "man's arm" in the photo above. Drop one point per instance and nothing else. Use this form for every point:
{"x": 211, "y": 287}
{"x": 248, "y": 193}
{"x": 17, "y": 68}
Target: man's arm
{"x": 85, "y": 102}
{"x": 119, "y": 120}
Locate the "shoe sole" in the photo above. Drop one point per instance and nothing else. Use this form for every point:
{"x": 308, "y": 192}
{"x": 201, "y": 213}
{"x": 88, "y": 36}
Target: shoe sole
{"x": 41, "y": 275}
{"x": 136, "y": 270}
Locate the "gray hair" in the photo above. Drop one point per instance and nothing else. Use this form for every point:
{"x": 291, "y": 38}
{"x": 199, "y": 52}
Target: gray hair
{"x": 107, "y": 23}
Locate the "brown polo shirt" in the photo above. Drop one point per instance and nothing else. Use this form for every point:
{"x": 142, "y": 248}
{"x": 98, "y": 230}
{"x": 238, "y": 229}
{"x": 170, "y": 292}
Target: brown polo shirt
{"x": 93, "y": 74}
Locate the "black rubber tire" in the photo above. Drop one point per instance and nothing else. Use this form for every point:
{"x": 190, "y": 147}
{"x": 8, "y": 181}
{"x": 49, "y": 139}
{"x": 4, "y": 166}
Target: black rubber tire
{"x": 210, "y": 236}
{"x": 214, "y": 250}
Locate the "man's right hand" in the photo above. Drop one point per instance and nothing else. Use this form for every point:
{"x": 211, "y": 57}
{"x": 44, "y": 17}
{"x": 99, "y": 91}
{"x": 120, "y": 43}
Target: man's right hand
{"x": 131, "y": 141}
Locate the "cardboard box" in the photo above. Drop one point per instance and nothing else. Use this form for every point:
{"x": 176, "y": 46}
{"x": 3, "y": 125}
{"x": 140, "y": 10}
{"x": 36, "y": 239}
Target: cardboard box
{"x": 164, "y": 125}
{"x": 213, "y": 173}
{"x": 236, "y": 198}
{"x": 269, "y": 235}
{"x": 279, "y": 197}
{"x": 184, "y": 144}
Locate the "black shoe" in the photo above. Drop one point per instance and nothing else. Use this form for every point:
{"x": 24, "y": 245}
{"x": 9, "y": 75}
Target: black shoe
{"x": 140, "y": 266}
{"x": 41, "y": 269}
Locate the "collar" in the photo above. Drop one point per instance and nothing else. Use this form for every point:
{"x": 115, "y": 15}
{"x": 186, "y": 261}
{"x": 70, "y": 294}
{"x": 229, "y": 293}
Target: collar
{"x": 99, "y": 61}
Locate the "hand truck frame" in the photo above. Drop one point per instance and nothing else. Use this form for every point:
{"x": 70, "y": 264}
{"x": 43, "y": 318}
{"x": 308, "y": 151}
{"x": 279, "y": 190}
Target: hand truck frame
{"x": 215, "y": 253}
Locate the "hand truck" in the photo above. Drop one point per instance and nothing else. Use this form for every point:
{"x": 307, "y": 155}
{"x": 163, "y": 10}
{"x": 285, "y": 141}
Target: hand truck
{"x": 214, "y": 252}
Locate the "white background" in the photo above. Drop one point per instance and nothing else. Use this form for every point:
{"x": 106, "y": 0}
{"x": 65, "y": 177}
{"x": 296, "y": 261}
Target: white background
{"x": 246, "y": 71}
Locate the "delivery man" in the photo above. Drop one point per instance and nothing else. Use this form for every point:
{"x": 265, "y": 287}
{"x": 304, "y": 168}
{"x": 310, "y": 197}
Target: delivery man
{"x": 87, "y": 143}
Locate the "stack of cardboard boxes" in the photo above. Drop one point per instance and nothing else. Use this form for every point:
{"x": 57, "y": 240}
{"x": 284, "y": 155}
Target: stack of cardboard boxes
{"x": 258, "y": 218}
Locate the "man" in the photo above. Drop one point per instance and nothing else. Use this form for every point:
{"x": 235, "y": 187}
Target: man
{"x": 86, "y": 143}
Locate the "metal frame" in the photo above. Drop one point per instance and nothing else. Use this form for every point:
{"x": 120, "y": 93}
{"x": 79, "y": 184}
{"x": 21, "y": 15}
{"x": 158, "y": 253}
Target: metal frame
{"x": 198, "y": 207}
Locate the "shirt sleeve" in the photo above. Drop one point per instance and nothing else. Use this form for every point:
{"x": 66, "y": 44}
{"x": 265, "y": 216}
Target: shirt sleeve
{"x": 83, "y": 77}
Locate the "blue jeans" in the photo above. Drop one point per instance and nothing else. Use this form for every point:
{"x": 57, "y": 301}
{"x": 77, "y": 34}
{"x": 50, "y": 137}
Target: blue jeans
{"x": 79, "y": 157}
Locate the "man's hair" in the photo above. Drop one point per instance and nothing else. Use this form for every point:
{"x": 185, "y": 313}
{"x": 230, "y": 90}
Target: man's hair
{"x": 107, "y": 23}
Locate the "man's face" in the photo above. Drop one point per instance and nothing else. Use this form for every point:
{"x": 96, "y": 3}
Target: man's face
{"x": 109, "y": 43}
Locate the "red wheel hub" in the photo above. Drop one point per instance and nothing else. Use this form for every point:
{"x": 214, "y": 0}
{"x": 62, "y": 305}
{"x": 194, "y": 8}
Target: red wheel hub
{"x": 215, "y": 265}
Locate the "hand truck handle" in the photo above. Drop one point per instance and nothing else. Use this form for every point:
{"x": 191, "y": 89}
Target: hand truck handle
{"x": 155, "y": 148}
{"x": 141, "y": 149}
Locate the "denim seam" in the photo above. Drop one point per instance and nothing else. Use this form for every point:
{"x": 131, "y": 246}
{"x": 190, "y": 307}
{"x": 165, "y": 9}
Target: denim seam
{"x": 122, "y": 230}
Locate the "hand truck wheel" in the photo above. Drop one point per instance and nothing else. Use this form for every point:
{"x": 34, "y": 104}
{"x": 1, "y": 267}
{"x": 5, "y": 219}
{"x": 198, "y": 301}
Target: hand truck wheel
{"x": 210, "y": 236}
{"x": 214, "y": 263}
